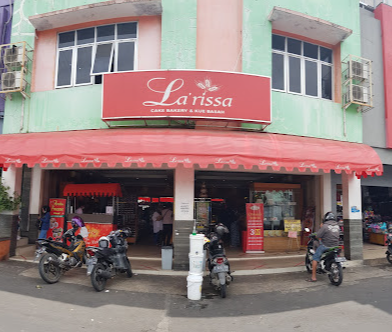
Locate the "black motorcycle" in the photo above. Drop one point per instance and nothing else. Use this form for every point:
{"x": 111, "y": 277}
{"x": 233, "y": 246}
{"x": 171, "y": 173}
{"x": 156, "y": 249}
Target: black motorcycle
{"x": 218, "y": 264}
{"x": 109, "y": 258}
{"x": 389, "y": 243}
{"x": 56, "y": 257}
{"x": 330, "y": 262}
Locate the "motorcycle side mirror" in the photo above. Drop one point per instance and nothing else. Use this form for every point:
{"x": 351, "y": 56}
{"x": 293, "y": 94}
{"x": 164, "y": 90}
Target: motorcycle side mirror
{"x": 307, "y": 230}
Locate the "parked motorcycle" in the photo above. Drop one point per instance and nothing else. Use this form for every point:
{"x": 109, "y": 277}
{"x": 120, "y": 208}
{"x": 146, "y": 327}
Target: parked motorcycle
{"x": 56, "y": 257}
{"x": 389, "y": 244}
{"x": 109, "y": 258}
{"x": 330, "y": 262}
{"x": 218, "y": 264}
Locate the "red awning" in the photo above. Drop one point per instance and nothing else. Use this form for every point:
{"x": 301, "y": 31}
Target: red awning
{"x": 188, "y": 147}
{"x": 96, "y": 189}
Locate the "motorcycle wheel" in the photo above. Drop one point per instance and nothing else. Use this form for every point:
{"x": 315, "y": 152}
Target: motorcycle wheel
{"x": 48, "y": 271}
{"x": 336, "y": 274}
{"x": 389, "y": 258}
{"x": 129, "y": 268}
{"x": 97, "y": 281}
{"x": 223, "y": 291}
{"x": 308, "y": 264}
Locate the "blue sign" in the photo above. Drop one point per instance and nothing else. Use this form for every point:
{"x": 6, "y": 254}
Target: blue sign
{"x": 355, "y": 209}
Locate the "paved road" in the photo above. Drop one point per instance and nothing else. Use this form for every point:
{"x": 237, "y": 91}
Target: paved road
{"x": 145, "y": 303}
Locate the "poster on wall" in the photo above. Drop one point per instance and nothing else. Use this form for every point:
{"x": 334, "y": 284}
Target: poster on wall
{"x": 254, "y": 237}
{"x": 291, "y": 225}
{"x": 57, "y": 214}
{"x": 202, "y": 215}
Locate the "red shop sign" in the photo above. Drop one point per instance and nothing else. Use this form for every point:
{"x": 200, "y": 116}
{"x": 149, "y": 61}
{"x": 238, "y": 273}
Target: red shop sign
{"x": 187, "y": 94}
{"x": 255, "y": 227}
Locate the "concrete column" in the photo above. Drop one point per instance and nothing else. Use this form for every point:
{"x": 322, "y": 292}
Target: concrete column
{"x": 11, "y": 178}
{"x": 36, "y": 190}
{"x": 325, "y": 196}
{"x": 352, "y": 215}
{"x": 184, "y": 188}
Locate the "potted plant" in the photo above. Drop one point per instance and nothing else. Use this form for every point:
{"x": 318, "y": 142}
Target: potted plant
{"x": 7, "y": 202}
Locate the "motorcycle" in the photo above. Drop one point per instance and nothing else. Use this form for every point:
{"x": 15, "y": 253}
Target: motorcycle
{"x": 330, "y": 262}
{"x": 57, "y": 257}
{"x": 218, "y": 264}
{"x": 109, "y": 258}
{"x": 389, "y": 244}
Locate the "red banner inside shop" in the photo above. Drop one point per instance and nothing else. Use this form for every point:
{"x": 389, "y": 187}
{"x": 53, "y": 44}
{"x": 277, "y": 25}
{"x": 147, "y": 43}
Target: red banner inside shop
{"x": 57, "y": 214}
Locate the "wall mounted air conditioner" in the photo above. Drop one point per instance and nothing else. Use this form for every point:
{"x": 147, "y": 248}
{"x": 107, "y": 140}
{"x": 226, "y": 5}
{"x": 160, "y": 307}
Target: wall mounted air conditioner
{"x": 360, "y": 94}
{"x": 13, "y": 56}
{"x": 359, "y": 70}
{"x": 12, "y": 80}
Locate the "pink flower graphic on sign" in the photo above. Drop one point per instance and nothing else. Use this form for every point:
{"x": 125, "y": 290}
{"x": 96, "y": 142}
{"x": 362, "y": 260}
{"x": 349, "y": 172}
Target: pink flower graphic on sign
{"x": 207, "y": 86}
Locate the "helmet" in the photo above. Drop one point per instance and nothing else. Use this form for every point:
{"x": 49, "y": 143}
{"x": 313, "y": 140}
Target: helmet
{"x": 103, "y": 242}
{"x": 221, "y": 229}
{"x": 329, "y": 216}
{"x": 77, "y": 222}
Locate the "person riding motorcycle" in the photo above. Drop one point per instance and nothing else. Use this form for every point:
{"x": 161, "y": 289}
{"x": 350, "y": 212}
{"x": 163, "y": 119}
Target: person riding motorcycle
{"x": 329, "y": 237}
{"x": 79, "y": 244}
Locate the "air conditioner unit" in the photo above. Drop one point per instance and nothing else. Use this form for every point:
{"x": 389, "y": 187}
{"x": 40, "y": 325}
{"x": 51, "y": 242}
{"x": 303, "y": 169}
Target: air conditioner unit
{"x": 359, "y": 70}
{"x": 13, "y": 56}
{"x": 12, "y": 80}
{"x": 360, "y": 94}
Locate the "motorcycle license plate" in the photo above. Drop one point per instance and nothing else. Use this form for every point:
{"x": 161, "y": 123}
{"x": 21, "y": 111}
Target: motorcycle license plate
{"x": 220, "y": 268}
{"x": 340, "y": 259}
{"x": 90, "y": 262}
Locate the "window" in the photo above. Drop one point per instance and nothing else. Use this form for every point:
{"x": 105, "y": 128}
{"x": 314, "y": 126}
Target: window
{"x": 85, "y": 54}
{"x": 302, "y": 68}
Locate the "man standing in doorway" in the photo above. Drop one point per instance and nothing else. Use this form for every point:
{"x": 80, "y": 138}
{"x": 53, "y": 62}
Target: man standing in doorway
{"x": 167, "y": 221}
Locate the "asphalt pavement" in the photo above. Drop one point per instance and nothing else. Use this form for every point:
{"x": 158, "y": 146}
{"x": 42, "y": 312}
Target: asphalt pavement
{"x": 273, "y": 302}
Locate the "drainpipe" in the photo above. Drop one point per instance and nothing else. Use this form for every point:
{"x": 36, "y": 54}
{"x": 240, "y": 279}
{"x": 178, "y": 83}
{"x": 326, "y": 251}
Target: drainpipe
{"x": 22, "y": 115}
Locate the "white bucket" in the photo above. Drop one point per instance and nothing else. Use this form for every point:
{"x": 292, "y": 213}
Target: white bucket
{"x": 196, "y": 244}
{"x": 194, "y": 284}
{"x": 196, "y": 264}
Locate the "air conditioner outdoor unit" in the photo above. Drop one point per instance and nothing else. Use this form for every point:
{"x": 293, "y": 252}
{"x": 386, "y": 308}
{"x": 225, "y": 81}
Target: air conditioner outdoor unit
{"x": 360, "y": 94}
{"x": 13, "y": 56}
{"x": 12, "y": 80}
{"x": 359, "y": 70}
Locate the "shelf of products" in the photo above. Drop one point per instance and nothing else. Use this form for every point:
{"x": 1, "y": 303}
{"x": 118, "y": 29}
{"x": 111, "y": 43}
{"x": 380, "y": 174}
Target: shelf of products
{"x": 281, "y": 202}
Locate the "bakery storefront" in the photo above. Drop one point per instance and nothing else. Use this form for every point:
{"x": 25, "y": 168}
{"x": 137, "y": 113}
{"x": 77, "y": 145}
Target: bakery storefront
{"x": 208, "y": 105}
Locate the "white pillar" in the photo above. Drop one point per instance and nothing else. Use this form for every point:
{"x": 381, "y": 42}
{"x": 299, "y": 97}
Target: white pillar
{"x": 184, "y": 188}
{"x": 325, "y": 194}
{"x": 36, "y": 190}
{"x": 184, "y": 193}
{"x": 352, "y": 215}
{"x": 12, "y": 178}
{"x": 352, "y": 197}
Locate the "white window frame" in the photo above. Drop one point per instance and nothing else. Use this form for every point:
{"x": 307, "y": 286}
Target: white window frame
{"x": 303, "y": 59}
{"x": 94, "y": 45}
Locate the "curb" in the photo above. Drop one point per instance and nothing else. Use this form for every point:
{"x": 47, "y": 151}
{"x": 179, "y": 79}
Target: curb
{"x": 348, "y": 264}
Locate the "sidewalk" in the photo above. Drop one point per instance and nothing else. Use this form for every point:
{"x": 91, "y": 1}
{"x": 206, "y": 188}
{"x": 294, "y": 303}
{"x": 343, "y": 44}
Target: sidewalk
{"x": 147, "y": 260}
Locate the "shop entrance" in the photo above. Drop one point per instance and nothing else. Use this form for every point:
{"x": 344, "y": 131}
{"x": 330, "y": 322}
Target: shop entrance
{"x": 286, "y": 198}
{"x": 142, "y": 192}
